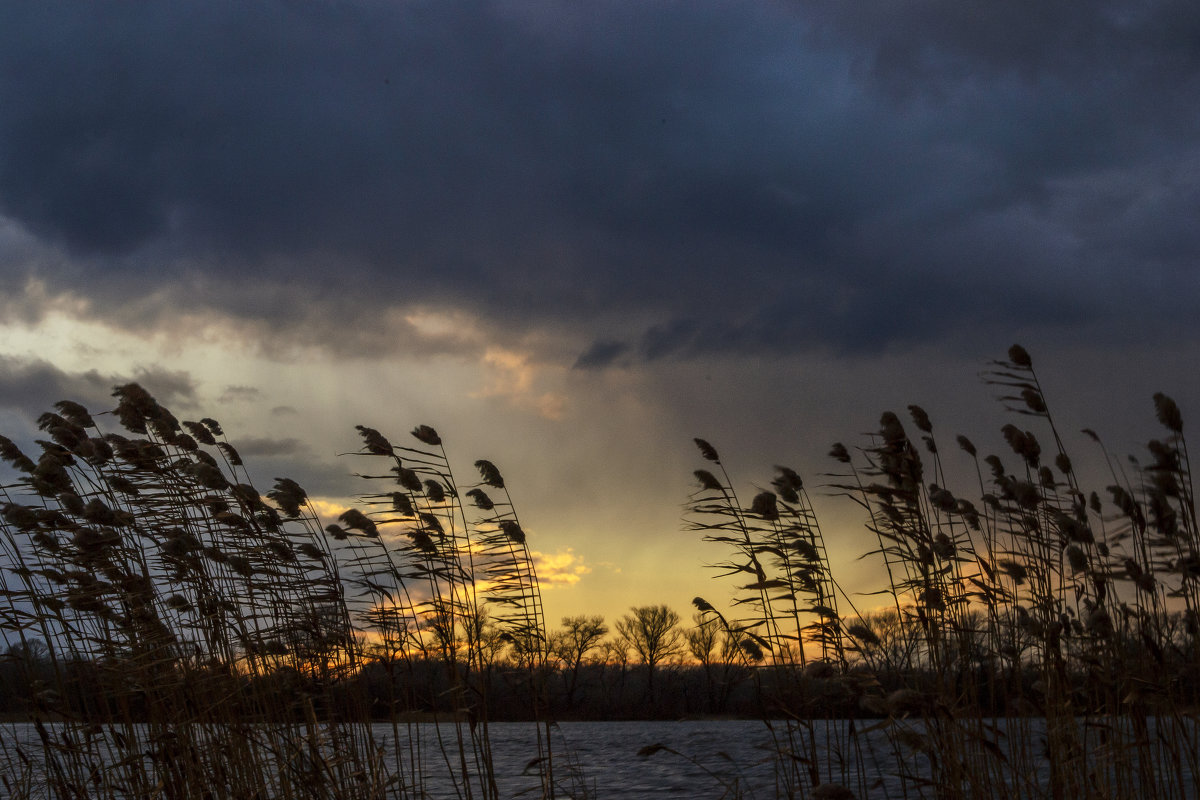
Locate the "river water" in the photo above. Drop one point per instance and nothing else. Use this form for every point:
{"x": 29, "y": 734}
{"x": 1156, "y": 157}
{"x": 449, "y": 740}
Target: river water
{"x": 704, "y": 759}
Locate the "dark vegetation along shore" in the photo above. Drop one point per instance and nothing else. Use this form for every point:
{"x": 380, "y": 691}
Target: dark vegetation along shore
{"x": 173, "y": 632}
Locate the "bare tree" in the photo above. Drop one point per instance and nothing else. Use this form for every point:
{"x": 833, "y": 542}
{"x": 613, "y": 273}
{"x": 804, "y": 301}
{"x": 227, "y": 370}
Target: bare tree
{"x": 721, "y": 656}
{"x": 653, "y": 633}
{"x": 702, "y": 639}
{"x": 578, "y": 637}
{"x": 884, "y": 641}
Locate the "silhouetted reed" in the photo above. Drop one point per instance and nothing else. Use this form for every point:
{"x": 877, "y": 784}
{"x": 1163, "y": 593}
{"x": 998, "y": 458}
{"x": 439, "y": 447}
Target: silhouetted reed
{"x": 184, "y": 636}
{"x": 1037, "y": 643}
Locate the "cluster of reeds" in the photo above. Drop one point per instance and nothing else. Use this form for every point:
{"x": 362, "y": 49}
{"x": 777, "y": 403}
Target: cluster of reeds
{"x": 787, "y": 608}
{"x": 184, "y": 636}
{"x": 1039, "y": 642}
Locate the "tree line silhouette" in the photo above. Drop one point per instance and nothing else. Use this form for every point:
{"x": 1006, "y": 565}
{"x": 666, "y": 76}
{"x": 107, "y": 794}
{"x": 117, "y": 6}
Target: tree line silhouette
{"x": 647, "y": 665}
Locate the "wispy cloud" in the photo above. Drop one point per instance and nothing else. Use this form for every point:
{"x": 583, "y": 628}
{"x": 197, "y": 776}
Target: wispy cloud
{"x": 510, "y": 376}
{"x": 268, "y": 448}
{"x": 240, "y": 394}
{"x": 561, "y": 568}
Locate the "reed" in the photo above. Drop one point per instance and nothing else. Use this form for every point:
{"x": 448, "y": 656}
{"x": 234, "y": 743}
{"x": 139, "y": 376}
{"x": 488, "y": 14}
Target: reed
{"x": 178, "y": 634}
{"x": 184, "y": 636}
{"x": 1036, "y": 642}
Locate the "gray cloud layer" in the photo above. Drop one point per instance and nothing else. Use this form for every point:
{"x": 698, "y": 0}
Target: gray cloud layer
{"x": 723, "y": 176}
{"x": 32, "y": 386}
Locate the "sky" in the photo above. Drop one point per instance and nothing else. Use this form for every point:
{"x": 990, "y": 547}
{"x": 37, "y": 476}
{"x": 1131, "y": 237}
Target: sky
{"x": 572, "y": 236}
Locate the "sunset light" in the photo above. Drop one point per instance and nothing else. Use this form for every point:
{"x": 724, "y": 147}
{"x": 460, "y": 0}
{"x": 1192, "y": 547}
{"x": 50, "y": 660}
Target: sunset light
{"x": 822, "y": 336}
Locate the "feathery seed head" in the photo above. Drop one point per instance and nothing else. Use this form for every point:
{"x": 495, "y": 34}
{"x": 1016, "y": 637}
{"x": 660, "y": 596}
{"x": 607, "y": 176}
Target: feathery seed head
{"x": 1168, "y": 413}
{"x": 435, "y": 491}
{"x": 707, "y": 450}
{"x": 281, "y": 549}
{"x": 1033, "y": 400}
{"x": 1077, "y": 558}
{"x": 74, "y": 412}
{"x": 1022, "y": 443}
{"x": 134, "y": 406}
{"x": 941, "y": 498}
{"x": 374, "y": 442}
{"x": 1073, "y": 530}
{"x": 402, "y": 504}
{"x": 920, "y": 419}
{"x": 1046, "y": 477}
{"x": 407, "y": 478}
{"x": 123, "y": 485}
{"x": 434, "y": 524}
{"x": 215, "y": 554}
{"x": 179, "y": 602}
{"x": 241, "y": 565}
{"x": 806, "y": 550}
{"x": 1014, "y": 570}
{"x": 862, "y": 633}
{"x": 788, "y": 484}
{"x": 96, "y": 450}
{"x": 481, "y": 499}
{"x": 1166, "y": 457}
{"x": 489, "y": 474}
{"x": 1189, "y": 566}
{"x": 230, "y": 453}
{"x": 356, "y": 520}
{"x": 1025, "y": 494}
{"x": 247, "y": 495}
{"x": 1019, "y": 357}
{"x": 13, "y": 455}
{"x": 427, "y": 435}
{"x": 943, "y": 545}
{"x": 312, "y": 551}
{"x": 289, "y": 496}
{"x": 208, "y": 475}
{"x": 751, "y": 649}
{"x": 968, "y": 511}
{"x": 200, "y": 432}
{"x": 765, "y": 506}
{"x": 71, "y": 502}
{"x": 891, "y": 429}
{"x": 1098, "y": 621}
{"x": 513, "y": 531}
{"x": 422, "y": 541}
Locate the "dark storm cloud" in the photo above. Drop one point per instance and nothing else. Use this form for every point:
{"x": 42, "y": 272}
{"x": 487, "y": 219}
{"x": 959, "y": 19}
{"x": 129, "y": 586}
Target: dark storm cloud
{"x": 32, "y": 386}
{"x": 270, "y": 458}
{"x": 737, "y": 176}
{"x": 602, "y": 354}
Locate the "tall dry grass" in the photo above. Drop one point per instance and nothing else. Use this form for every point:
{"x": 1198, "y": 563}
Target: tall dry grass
{"x": 186, "y": 636}
{"x": 1038, "y": 641}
